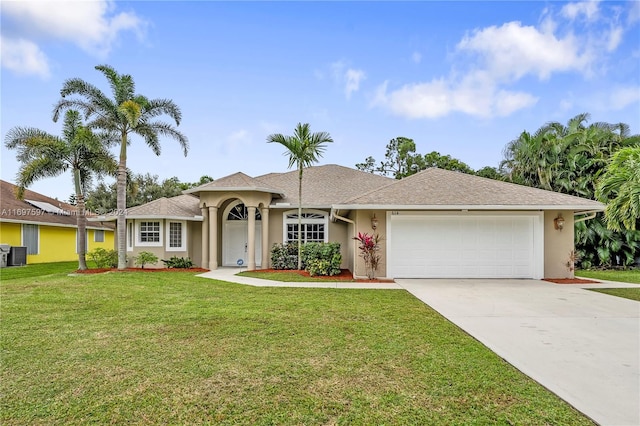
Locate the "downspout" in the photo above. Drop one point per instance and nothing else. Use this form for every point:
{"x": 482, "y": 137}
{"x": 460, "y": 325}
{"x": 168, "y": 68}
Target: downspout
{"x": 333, "y": 215}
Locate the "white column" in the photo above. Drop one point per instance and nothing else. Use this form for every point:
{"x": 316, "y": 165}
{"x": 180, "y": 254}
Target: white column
{"x": 265, "y": 238}
{"x": 213, "y": 238}
{"x": 251, "y": 239}
{"x": 205, "y": 237}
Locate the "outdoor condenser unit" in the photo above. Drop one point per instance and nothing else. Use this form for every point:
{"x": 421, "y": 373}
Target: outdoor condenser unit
{"x": 17, "y": 256}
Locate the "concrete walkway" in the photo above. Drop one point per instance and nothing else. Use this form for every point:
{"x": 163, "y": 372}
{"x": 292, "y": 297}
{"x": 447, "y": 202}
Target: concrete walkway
{"x": 582, "y": 345}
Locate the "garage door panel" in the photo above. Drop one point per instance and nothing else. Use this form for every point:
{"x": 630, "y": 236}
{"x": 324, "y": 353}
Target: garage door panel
{"x": 462, "y": 246}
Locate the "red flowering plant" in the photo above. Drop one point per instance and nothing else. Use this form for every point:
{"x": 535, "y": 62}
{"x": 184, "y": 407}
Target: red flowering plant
{"x": 369, "y": 250}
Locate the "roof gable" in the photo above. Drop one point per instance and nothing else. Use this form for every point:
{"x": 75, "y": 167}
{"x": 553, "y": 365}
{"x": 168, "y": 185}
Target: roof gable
{"x": 234, "y": 182}
{"x": 181, "y": 206}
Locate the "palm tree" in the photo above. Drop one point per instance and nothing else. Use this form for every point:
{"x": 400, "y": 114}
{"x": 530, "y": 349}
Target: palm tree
{"x": 619, "y": 187}
{"x": 303, "y": 148}
{"x": 43, "y": 155}
{"x": 125, "y": 114}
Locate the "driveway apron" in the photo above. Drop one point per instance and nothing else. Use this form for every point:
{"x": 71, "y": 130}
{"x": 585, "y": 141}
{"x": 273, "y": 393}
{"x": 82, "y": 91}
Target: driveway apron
{"x": 582, "y": 345}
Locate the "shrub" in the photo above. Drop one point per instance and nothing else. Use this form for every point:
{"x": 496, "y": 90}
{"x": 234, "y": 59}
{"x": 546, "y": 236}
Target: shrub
{"x": 178, "y": 262}
{"x": 146, "y": 257}
{"x": 369, "y": 250}
{"x": 322, "y": 258}
{"x": 284, "y": 256}
{"x": 104, "y": 258}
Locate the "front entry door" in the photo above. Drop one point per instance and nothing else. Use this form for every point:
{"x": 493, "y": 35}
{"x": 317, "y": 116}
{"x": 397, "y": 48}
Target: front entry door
{"x": 235, "y": 243}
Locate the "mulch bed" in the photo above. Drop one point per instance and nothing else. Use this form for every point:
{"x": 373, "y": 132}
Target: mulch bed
{"x": 344, "y": 275}
{"x": 571, "y": 281}
{"x": 103, "y": 270}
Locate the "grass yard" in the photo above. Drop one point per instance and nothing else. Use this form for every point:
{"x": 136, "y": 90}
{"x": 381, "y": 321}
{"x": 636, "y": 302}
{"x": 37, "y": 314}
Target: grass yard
{"x": 628, "y": 276}
{"x": 132, "y": 348}
{"x": 289, "y": 276}
{"x": 40, "y": 269}
{"x": 627, "y": 293}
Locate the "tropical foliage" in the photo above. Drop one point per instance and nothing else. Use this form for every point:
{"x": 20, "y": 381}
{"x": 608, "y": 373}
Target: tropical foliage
{"x": 369, "y": 246}
{"x": 123, "y": 115}
{"x": 572, "y": 159}
{"x": 620, "y": 188}
{"x": 304, "y": 149}
{"x": 79, "y": 150}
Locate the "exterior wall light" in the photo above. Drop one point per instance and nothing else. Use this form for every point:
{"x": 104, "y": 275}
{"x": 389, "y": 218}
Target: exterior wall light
{"x": 374, "y": 222}
{"x": 558, "y": 222}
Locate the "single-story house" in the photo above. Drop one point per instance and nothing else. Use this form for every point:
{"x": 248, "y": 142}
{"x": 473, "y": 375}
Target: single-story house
{"x": 434, "y": 224}
{"x": 46, "y": 227}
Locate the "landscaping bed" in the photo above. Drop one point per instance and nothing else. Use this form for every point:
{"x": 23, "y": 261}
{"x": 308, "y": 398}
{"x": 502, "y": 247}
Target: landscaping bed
{"x": 571, "y": 281}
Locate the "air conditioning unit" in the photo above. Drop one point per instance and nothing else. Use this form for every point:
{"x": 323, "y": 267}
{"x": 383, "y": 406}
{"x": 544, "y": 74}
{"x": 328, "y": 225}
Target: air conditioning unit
{"x": 17, "y": 256}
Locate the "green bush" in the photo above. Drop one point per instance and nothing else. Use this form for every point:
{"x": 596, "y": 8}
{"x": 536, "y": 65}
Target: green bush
{"x": 104, "y": 258}
{"x": 146, "y": 257}
{"x": 178, "y": 262}
{"x": 284, "y": 256}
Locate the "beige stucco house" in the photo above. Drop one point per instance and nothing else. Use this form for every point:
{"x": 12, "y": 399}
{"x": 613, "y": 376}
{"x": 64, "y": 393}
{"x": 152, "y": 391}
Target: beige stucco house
{"x": 434, "y": 224}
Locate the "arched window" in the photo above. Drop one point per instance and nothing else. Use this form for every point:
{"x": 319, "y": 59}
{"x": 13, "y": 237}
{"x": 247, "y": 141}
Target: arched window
{"x": 315, "y": 224}
{"x": 240, "y": 212}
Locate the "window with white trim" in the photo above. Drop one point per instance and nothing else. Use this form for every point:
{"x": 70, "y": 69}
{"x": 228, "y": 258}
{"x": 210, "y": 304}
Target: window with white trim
{"x": 31, "y": 238}
{"x": 98, "y": 235}
{"x": 314, "y": 226}
{"x": 149, "y": 233}
{"x": 176, "y": 236}
{"x": 130, "y": 236}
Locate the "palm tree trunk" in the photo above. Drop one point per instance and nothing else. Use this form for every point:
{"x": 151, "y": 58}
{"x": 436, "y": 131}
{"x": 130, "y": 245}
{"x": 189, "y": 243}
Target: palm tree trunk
{"x": 81, "y": 222}
{"x": 300, "y": 168}
{"x": 121, "y": 204}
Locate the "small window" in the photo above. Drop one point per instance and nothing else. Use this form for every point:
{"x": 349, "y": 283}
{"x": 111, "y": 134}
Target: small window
{"x": 98, "y": 235}
{"x": 150, "y": 232}
{"x": 130, "y": 236}
{"x": 31, "y": 238}
{"x": 175, "y": 234}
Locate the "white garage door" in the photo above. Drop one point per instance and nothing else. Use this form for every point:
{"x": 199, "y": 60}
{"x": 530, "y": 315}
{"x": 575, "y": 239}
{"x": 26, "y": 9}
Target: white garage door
{"x": 469, "y": 246}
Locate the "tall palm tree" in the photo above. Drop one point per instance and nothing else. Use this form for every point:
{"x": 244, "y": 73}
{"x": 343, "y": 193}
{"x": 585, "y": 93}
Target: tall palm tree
{"x": 43, "y": 155}
{"x": 125, "y": 114}
{"x": 619, "y": 187}
{"x": 304, "y": 149}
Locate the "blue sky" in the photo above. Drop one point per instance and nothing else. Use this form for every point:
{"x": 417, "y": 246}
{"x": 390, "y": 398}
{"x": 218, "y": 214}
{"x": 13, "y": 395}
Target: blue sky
{"x": 460, "y": 78}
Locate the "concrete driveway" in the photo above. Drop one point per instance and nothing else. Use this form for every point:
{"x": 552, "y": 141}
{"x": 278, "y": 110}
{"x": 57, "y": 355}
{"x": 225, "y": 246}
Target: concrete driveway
{"x": 582, "y": 345}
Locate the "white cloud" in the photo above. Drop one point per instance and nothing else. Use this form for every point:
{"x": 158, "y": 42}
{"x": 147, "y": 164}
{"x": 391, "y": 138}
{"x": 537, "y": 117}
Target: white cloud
{"x": 512, "y": 51}
{"x": 416, "y": 57}
{"x": 94, "y": 26}
{"x": 23, "y": 57}
{"x": 588, "y": 9}
{"x": 622, "y": 97}
{"x": 349, "y": 77}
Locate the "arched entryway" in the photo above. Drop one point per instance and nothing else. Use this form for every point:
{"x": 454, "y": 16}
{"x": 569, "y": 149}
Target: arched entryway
{"x": 235, "y": 235}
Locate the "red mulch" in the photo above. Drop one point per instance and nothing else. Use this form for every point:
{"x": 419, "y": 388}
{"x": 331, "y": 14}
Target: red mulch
{"x": 570, "y": 281}
{"x": 344, "y": 275}
{"x": 102, "y": 270}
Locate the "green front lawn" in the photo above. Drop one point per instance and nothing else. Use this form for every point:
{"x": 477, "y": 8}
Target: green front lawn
{"x": 39, "y": 269}
{"x": 628, "y": 276}
{"x": 627, "y": 293}
{"x": 167, "y": 348}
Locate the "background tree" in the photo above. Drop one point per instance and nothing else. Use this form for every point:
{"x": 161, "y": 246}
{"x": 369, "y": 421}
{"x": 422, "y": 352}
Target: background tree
{"x": 304, "y": 149}
{"x": 141, "y": 188}
{"x": 570, "y": 159}
{"x": 43, "y": 155}
{"x": 401, "y": 160}
{"x": 619, "y": 187}
{"x": 125, "y": 114}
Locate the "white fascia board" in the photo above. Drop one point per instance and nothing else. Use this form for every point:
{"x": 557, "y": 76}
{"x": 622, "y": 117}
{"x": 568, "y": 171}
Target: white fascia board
{"x": 463, "y": 207}
{"x": 291, "y": 206}
{"x": 160, "y": 217}
{"x": 234, "y": 189}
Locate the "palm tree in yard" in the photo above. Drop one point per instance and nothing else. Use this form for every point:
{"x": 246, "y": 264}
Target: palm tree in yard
{"x": 124, "y": 114}
{"x": 43, "y": 155}
{"x": 304, "y": 149}
{"x": 620, "y": 188}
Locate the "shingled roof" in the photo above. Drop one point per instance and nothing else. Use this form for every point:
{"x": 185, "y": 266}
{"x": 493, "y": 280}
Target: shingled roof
{"x": 235, "y": 182}
{"x": 437, "y": 189}
{"x": 42, "y": 209}
{"x": 184, "y": 207}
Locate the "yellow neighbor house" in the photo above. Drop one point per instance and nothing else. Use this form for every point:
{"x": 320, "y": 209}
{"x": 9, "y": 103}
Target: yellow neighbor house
{"x": 46, "y": 227}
